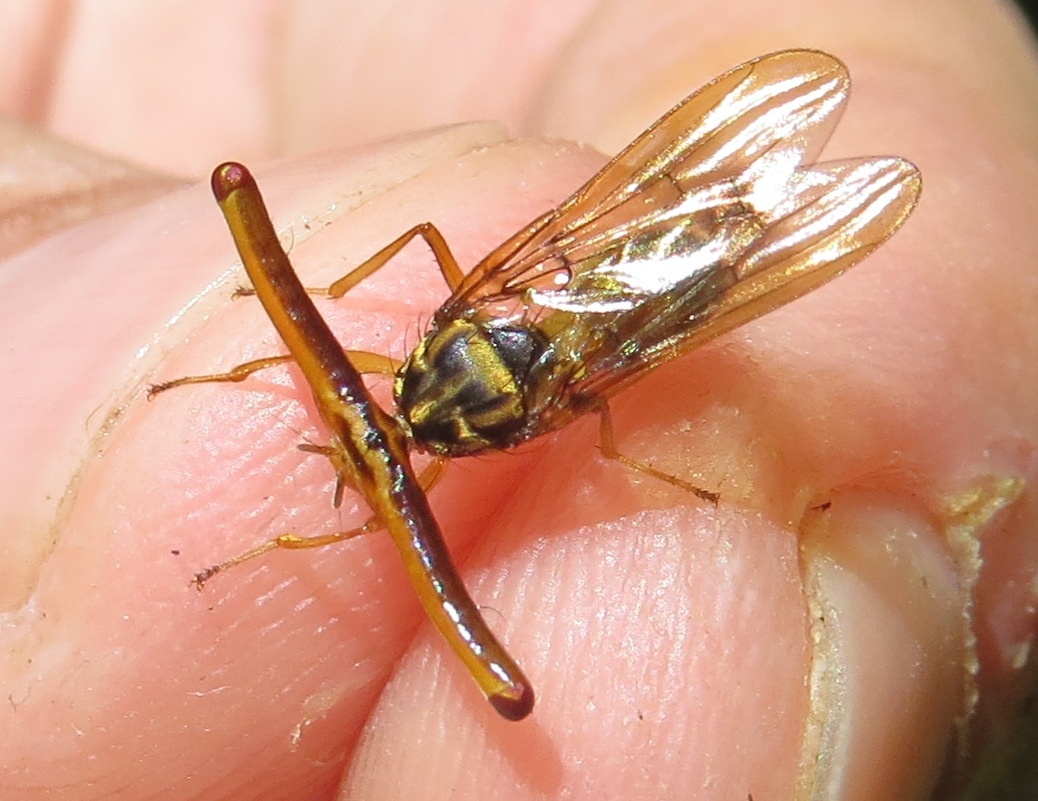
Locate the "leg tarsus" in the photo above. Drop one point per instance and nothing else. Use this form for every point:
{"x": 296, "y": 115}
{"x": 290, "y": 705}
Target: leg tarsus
{"x": 235, "y": 374}
{"x": 428, "y": 478}
{"x": 437, "y": 243}
{"x": 607, "y": 444}
{"x": 249, "y": 292}
{"x": 289, "y": 542}
{"x": 364, "y": 361}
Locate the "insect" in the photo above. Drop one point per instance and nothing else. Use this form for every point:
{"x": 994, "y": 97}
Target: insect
{"x": 715, "y": 215}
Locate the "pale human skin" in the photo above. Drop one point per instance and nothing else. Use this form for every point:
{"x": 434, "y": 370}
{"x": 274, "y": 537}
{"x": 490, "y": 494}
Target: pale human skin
{"x": 670, "y": 642}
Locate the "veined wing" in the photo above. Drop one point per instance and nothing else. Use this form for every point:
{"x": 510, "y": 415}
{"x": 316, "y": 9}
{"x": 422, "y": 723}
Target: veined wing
{"x": 832, "y": 216}
{"x": 714, "y": 216}
{"x": 776, "y": 111}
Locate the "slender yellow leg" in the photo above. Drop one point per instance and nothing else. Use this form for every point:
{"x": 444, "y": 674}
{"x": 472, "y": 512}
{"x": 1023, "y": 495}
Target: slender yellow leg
{"x": 364, "y": 361}
{"x": 428, "y": 478}
{"x": 238, "y": 373}
{"x": 441, "y": 251}
{"x": 291, "y": 541}
{"x": 607, "y": 443}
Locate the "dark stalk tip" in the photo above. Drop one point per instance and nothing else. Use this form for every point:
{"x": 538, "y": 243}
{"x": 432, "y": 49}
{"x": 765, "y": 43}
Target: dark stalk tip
{"x": 229, "y": 177}
{"x": 514, "y": 707}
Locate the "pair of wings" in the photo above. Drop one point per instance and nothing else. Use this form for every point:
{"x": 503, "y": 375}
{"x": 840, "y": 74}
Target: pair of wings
{"x": 715, "y": 215}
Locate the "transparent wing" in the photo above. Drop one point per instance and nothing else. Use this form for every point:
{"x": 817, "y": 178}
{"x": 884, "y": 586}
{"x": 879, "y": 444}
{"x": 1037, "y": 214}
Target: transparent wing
{"x": 836, "y": 214}
{"x": 712, "y": 217}
{"x": 779, "y": 110}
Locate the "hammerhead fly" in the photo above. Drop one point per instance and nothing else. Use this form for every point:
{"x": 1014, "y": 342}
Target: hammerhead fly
{"x": 715, "y": 215}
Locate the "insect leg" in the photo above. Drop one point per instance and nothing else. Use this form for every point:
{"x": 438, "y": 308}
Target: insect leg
{"x": 238, "y": 373}
{"x": 441, "y": 251}
{"x": 364, "y": 361}
{"x": 607, "y": 444}
{"x": 291, "y": 541}
{"x": 428, "y": 478}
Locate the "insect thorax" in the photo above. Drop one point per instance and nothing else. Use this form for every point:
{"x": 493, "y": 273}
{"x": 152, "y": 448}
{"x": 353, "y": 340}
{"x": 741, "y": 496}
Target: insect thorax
{"x": 463, "y": 389}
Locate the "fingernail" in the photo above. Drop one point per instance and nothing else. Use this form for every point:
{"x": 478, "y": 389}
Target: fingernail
{"x": 889, "y": 632}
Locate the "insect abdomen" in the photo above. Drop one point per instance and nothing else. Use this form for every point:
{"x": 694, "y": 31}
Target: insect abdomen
{"x": 462, "y": 389}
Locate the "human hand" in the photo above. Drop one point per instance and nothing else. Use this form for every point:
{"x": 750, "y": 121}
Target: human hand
{"x": 670, "y": 644}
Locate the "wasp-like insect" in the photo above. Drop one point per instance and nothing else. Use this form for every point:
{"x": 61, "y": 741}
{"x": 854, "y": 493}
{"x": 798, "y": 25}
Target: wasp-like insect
{"x": 715, "y": 215}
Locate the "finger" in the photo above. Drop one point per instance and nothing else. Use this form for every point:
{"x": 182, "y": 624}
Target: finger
{"x": 295, "y": 648}
{"x": 833, "y": 402}
{"x": 51, "y": 185}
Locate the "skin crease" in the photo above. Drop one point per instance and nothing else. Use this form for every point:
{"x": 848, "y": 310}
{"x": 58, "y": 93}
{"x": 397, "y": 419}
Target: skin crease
{"x": 668, "y": 641}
